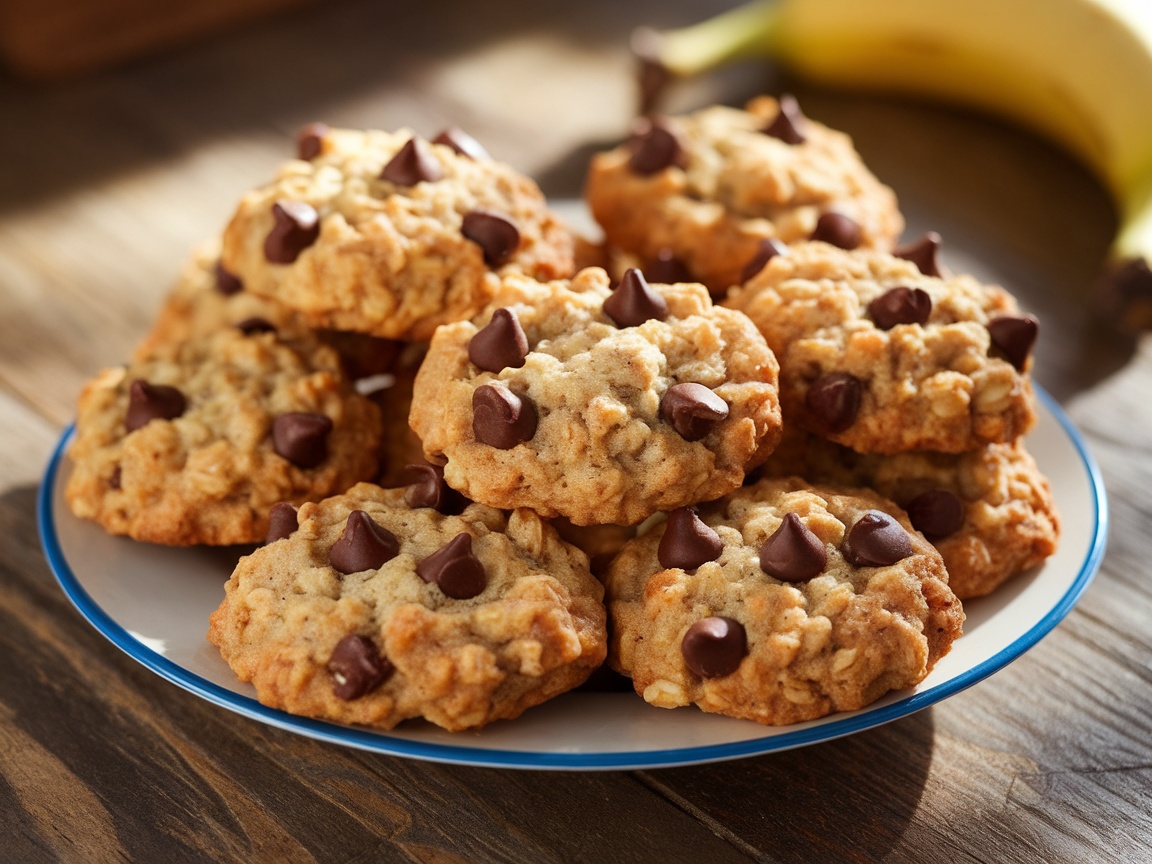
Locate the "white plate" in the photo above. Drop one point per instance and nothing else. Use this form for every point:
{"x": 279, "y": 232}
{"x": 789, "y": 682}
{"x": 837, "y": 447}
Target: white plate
{"x": 153, "y": 602}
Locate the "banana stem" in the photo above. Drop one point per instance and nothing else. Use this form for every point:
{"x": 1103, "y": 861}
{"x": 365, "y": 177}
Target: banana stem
{"x": 742, "y": 32}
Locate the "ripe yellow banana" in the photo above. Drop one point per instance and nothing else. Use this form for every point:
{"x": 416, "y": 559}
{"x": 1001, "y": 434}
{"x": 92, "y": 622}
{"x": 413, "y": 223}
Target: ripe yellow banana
{"x": 1076, "y": 71}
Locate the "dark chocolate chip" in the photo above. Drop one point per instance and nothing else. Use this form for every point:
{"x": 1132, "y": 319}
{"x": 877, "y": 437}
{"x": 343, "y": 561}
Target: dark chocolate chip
{"x": 834, "y": 400}
{"x": 296, "y": 226}
{"x": 427, "y": 488}
{"x": 356, "y": 667}
{"x": 251, "y": 326}
{"x": 687, "y": 542}
{"x": 936, "y": 513}
{"x": 900, "y": 305}
{"x": 1013, "y": 336}
{"x": 301, "y": 438}
{"x": 769, "y": 249}
{"x": 496, "y": 235}
{"x": 788, "y": 122}
{"x": 499, "y": 344}
{"x": 282, "y": 522}
{"x": 500, "y": 418}
{"x": 461, "y": 142}
{"x": 837, "y": 229}
{"x": 713, "y": 647}
{"x": 692, "y": 410}
{"x": 793, "y": 553}
{"x": 453, "y": 567}
{"x": 412, "y": 164}
{"x": 310, "y": 141}
{"x": 227, "y": 283}
{"x": 364, "y": 545}
{"x": 667, "y": 269}
{"x": 654, "y": 147}
{"x": 924, "y": 253}
{"x": 152, "y": 402}
{"x": 117, "y": 477}
{"x": 634, "y": 302}
{"x": 876, "y": 540}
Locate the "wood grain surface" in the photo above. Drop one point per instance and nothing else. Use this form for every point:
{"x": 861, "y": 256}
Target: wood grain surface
{"x": 106, "y": 185}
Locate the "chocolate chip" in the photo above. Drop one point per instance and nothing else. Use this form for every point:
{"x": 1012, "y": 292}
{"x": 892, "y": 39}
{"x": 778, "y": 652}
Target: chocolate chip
{"x": 412, "y": 164}
{"x": 251, "y": 326}
{"x": 876, "y": 540}
{"x": 310, "y": 141}
{"x": 634, "y": 302}
{"x": 152, "y": 402}
{"x": 793, "y": 553}
{"x": 496, "y": 235}
{"x": 692, "y": 410}
{"x": 1013, "y": 336}
{"x": 900, "y": 305}
{"x": 654, "y": 147}
{"x": 499, "y": 344}
{"x": 936, "y": 513}
{"x": 117, "y": 477}
{"x": 769, "y": 249}
{"x": 454, "y": 569}
{"x": 296, "y": 226}
{"x": 427, "y": 488}
{"x": 364, "y": 545}
{"x": 461, "y": 142}
{"x": 687, "y": 542}
{"x": 301, "y": 438}
{"x": 666, "y": 268}
{"x": 357, "y": 668}
{"x": 787, "y": 123}
{"x": 227, "y": 283}
{"x": 713, "y": 647}
{"x": 837, "y": 229}
{"x": 500, "y": 418}
{"x": 834, "y": 400}
{"x": 283, "y": 520}
{"x": 924, "y": 253}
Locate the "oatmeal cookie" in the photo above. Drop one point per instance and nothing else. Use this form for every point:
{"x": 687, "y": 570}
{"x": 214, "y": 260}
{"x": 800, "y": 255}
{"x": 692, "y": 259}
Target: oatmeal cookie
{"x": 370, "y": 611}
{"x": 600, "y": 406}
{"x": 780, "y": 603}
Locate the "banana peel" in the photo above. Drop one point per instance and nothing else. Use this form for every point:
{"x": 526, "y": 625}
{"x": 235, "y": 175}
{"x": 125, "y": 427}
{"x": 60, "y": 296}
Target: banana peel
{"x": 1078, "y": 72}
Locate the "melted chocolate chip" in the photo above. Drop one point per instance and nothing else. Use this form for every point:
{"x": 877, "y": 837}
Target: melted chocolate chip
{"x": 876, "y": 540}
{"x": 787, "y": 123}
{"x": 654, "y": 147}
{"x": 461, "y": 142}
{"x": 924, "y": 253}
{"x": 1013, "y": 336}
{"x": 454, "y": 569}
{"x": 427, "y": 488}
{"x": 900, "y": 305}
{"x": 936, "y": 513}
{"x": 296, "y": 225}
{"x": 499, "y": 344}
{"x": 227, "y": 283}
{"x": 152, "y": 402}
{"x": 496, "y": 235}
{"x": 364, "y": 545}
{"x": 500, "y": 418}
{"x": 834, "y": 400}
{"x": 667, "y": 269}
{"x": 283, "y": 520}
{"x": 838, "y": 230}
{"x": 310, "y": 141}
{"x": 356, "y": 667}
{"x": 412, "y": 164}
{"x": 253, "y": 325}
{"x": 301, "y": 438}
{"x": 634, "y": 302}
{"x": 769, "y": 249}
{"x": 793, "y": 553}
{"x": 687, "y": 542}
{"x": 713, "y": 647}
{"x": 692, "y": 410}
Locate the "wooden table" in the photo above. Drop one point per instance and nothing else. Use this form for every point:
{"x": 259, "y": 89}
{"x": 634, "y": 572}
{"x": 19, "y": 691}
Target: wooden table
{"x": 106, "y": 185}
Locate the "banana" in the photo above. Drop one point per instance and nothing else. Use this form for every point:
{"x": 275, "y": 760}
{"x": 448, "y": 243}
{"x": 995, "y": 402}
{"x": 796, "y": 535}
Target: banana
{"x": 1078, "y": 72}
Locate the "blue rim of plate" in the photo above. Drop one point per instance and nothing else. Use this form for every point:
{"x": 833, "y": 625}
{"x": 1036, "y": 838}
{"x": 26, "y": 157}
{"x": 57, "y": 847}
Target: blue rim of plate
{"x": 381, "y": 742}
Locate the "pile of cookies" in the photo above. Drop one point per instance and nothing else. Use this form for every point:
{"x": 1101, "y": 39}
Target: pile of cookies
{"x": 746, "y": 451}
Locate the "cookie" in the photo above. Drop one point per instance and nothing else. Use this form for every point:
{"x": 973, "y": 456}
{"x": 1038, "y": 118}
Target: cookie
{"x": 990, "y": 512}
{"x": 780, "y": 603}
{"x": 600, "y": 406}
{"x": 713, "y": 190}
{"x": 882, "y": 358}
{"x": 370, "y": 611}
{"x": 197, "y": 445}
{"x": 389, "y": 234}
